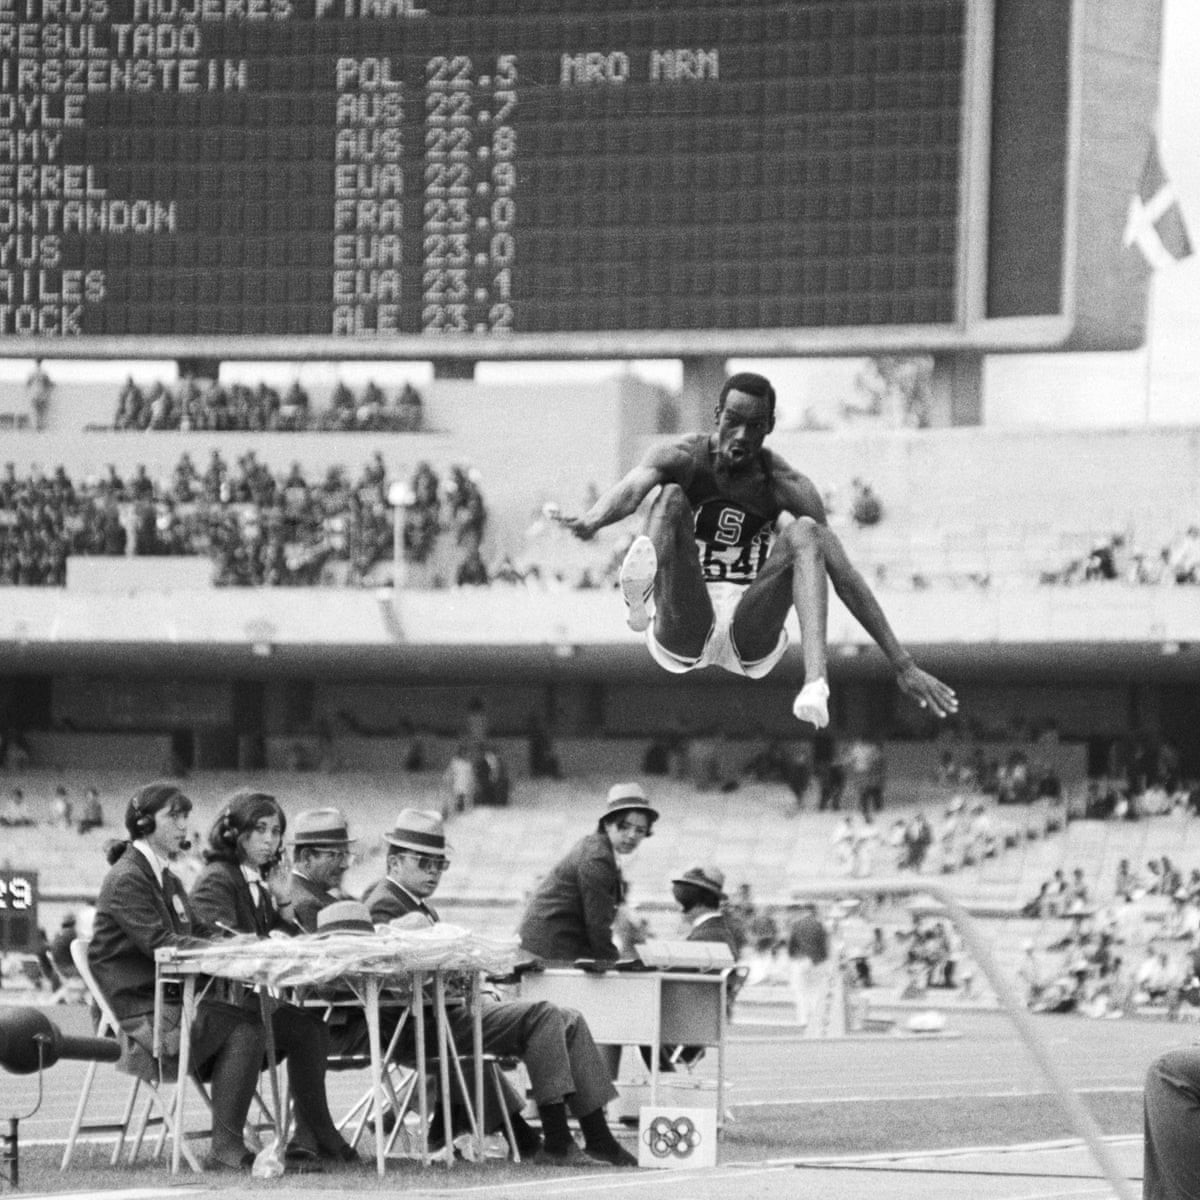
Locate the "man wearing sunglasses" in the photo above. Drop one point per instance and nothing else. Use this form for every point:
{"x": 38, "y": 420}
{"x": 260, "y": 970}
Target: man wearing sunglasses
{"x": 572, "y": 912}
{"x": 566, "y": 1070}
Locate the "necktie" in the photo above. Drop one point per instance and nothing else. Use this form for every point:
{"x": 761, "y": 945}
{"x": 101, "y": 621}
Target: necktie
{"x": 265, "y": 914}
{"x": 172, "y": 890}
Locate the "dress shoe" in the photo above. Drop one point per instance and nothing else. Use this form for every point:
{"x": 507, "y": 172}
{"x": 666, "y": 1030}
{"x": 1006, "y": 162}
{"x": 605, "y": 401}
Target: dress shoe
{"x": 344, "y": 1155}
{"x": 573, "y": 1156}
{"x": 615, "y": 1155}
{"x": 213, "y": 1163}
{"x": 300, "y": 1160}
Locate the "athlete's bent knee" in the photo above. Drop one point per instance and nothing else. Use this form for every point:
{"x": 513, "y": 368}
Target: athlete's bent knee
{"x": 804, "y": 534}
{"x": 671, "y": 503}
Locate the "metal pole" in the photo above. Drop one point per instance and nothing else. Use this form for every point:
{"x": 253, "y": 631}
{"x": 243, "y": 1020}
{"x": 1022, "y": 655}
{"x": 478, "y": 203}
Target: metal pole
{"x": 1082, "y": 1120}
{"x": 399, "y": 572}
{"x": 12, "y": 1155}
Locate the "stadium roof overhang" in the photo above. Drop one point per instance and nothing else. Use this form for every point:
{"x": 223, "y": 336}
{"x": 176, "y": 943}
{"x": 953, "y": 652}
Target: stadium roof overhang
{"x": 1030, "y": 663}
{"x": 1043, "y": 633}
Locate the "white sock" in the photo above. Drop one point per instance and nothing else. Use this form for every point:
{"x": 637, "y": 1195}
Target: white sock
{"x": 812, "y": 703}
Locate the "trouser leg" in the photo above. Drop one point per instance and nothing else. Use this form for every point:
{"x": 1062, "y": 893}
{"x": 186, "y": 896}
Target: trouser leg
{"x": 1172, "y": 1121}
{"x": 228, "y": 1044}
{"x": 557, "y": 1048}
{"x": 303, "y": 1039}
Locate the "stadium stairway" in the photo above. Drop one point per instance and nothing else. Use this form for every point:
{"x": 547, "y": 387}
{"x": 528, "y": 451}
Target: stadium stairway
{"x": 754, "y": 834}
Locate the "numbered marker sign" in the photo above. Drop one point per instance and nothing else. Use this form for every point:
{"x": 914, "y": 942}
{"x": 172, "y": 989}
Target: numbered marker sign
{"x": 18, "y": 910}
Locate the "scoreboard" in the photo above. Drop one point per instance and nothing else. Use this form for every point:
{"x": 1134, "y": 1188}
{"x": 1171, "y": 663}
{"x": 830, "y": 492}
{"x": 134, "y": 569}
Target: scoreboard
{"x": 18, "y": 911}
{"x": 516, "y": 177}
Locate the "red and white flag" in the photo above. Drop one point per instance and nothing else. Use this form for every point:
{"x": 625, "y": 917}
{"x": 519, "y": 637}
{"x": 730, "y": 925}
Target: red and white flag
{"x": 1155, "y": 222}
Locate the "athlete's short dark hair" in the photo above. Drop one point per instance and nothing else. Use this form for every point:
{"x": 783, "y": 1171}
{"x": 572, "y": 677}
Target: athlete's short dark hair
{"x": 753, "y": 385}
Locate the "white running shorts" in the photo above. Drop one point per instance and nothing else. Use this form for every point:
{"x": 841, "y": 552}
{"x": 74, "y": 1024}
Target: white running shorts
{"x": 719, "y": 650}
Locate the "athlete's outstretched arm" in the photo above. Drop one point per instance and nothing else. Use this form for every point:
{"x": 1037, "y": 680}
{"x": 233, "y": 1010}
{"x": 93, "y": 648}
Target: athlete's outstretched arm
{"x": 662, "y": 465}
{"x": 855, "y": 593}
{"x": 798, "y": 495}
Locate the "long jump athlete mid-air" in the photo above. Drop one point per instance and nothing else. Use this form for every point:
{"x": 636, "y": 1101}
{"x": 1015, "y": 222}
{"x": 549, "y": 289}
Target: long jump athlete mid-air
{"x": 734, "y": 539}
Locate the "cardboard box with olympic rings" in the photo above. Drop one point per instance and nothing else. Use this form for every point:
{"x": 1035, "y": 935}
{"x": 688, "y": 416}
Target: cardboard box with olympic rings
{"x": 672, "y": 1139}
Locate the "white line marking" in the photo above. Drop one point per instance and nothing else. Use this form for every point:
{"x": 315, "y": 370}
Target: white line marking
{"x": 575, "y": 1183}
{"x": 953, "y": 1152}
{"x": 1001, "y": 1095}
{"x": 124, "y": 1193}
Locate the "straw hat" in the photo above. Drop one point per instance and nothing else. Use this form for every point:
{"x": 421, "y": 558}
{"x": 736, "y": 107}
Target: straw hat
{"x": 345, "y": 916}
{"x": 420, "y": 831}
{"x": 628, "y": 797}
{"x": 710, "y": 879}
{"x": 321, "y": 827}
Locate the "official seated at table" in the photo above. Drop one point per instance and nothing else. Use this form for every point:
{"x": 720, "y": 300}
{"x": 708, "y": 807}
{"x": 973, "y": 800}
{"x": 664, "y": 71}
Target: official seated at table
{"x": 244, "y": 889}
{"x": 142, "y": 906}
{"x": 700, "y": 894}
{"x": 564, "y": 1065}
{"x": 321, "y": 854}
{"x": 571, "y": 913}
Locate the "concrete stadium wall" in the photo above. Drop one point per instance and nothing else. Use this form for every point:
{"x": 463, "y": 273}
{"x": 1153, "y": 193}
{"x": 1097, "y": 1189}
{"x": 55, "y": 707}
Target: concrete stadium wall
{"x": 101, "y": 751}
{"x": 611, "y": 758}
{"x": 502, "y": 616}
{"x": 939, "y": 479}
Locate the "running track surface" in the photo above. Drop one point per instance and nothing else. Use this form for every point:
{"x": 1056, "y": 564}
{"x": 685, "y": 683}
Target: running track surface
{"x": 963, "y": 1114}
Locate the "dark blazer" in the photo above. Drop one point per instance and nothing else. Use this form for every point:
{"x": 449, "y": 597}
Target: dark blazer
{"x": 134, "y": 916}
{"x": 714, "y": 929}
{"x": 385, "y": 900}
{"x": 572, "y": 912}
{"x": 309, "y": 898}
{"x": 222, "y": 893}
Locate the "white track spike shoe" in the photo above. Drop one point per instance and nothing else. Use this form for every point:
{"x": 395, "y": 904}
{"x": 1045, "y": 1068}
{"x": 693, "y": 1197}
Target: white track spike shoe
{"x": 637, "y": 583}
{"x": 812, "y": 704}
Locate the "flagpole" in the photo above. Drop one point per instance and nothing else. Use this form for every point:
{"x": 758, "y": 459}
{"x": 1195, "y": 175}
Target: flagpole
{"x": 1148, "y": 382}
{"x": 1148, "y": 372}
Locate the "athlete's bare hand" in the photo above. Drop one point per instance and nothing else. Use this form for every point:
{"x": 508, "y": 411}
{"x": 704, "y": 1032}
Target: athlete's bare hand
{"x": 927, "y": 690}
{"x": 582, "y": 529}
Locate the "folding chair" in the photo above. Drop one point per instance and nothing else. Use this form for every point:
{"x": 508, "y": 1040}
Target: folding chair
{"x": 400, "y": 1082}
{"x": 735, "y": 980}
{"x": 158, "y": 1098}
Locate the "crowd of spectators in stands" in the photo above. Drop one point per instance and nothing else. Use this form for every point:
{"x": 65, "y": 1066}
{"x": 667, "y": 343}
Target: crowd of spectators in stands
{"x": 1117, "y": 954}
{"x": 1143, "y": 778}
{"x": 966, "y": 833}
{"x": 65, "y": 814}
{"x": 258, "y": 527}
{"x": 933, "y": 956}
{"x": 200, "y": 404}
{"x": 1115, "y": 558}
{"x": 844, "y": 936}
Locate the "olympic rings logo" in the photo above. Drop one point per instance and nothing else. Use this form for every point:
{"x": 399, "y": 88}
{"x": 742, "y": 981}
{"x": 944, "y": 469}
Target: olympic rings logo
{"x": 666, "y": 1137}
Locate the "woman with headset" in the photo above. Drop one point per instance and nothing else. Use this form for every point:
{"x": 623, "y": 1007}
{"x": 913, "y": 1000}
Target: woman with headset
{"x": 243, "y": 889}
{"x": 142, "y": 906}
